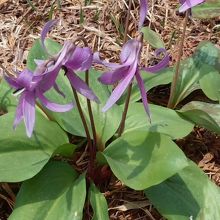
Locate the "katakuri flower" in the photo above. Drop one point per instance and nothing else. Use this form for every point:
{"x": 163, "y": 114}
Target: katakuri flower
{"x": 28, "y": 86}
{"x": 188, "y": 4}
{"x": 129, "y": 68}
{"x": 71, "y": 58}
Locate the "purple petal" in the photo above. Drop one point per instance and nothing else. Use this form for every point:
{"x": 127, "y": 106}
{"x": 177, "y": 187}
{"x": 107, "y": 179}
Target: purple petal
{"x": 47, "y": 27}
{"x": 12, "y": 81}
{"x": 161, "y": 65}
{"x": 130, "y": 51}
{"x": 121, "y": 87}
{"x": 81, "y": 59}
{"x": 19, "y": 111}
{"x": 53, "y": 106}
{"x": 109, "y": 78}
{"x": 143, "y": 93}
{"x": 143, "y": 12}
{"x": 25, "y": 79}
{"x": 189, "y": 4}
{"x": 81, "y": 86}
{"x": 96, "y": 59}
{"x": 29, "y": 112}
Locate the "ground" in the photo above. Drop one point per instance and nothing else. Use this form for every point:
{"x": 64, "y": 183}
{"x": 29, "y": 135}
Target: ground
{"x": 101, "y": 23}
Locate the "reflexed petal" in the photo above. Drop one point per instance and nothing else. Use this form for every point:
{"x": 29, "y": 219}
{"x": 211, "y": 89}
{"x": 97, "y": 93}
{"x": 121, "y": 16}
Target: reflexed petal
{"x": 12, "y": 81}
{"x": 29, "y": 112}
{"x": 109, "y": 78}
{"x": 80, "y": 86}
{"x": 47, "y": 81}
{"x": 143, "y": 93}
{"x": 47, "y": 27}
{"x": 161, "y": 65}
{"x": 81, "y": 59}
{"x": 143, "y": 12}
{"x": 120, "y": 88}
{"x": 189, "y": 4}
{"x": 54, "y": 106}
{"x": 130, "y": 52}
{"x": 96, "y": 59}
{"x": 19, "y": 111}
{"x": 25, "y": 79}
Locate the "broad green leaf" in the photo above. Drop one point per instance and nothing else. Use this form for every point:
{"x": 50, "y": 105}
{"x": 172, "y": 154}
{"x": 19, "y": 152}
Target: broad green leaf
{"x": 106, "y": 123}
{"x": 205, "y": 58}
{"x": 203, "y": 114}
{"x": 151, "y": 80}
{"x": 190, "y": 73}
{"x": 53, "y": 194}
{"x": 209, "y": 84}
{"x": 142, "y": 159}
{"x": 209, "y": 9}
{"x": 21, "y": 157}
{"x": 8, "y": 102}
{"x": 99, "y": 204}
{"x": 187, "y": 195}
{"x": 163, "y": 120}
{"x": 152, "y": 38}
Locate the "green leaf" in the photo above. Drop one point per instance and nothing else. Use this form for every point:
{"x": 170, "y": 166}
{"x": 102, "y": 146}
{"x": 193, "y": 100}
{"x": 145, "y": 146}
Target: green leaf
{"x": 152, "y": 38}
{"x": 66, "y": 150}
{"x": 106, "y": 123}
{"x": 190, "y": 73}
{"x": 207, "y": 53}
{"x": 22, "y": 157}
{"x": 205, "y": 58}
{"x": 53, "y": 194}
{"x": 209, "y": 9}
{"x": 164, "y": 120}
{"x": 209, "y": 84}
{"x": 187, "y": 195}
{"x": 203, "y": 114}
{"x": 143, "y": 159}
{"x": 99, "y": 204}
{"x": 8, "y": 102}
{"x": 151, "y": 80}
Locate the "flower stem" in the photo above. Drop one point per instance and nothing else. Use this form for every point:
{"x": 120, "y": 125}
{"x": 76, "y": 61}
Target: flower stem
{"x": 92, "y": 148}
{"x": 90, "y": 169}
{"x": 124, "y": 115}
{"x": 177, "y": 72}
{"x": 90, "y": 111}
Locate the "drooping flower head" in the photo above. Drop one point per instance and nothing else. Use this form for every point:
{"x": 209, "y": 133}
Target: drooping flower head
{"x": 72, "y": 58}
{"x": 27, "y": 85}
{"x": 128, "y": 69}
{"x": 32, "y": 85}
{"x": 188, "y": 4}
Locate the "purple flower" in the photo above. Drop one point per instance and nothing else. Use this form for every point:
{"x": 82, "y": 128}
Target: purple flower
{"x": 127, "y": 70}
{"x": 188, "y": 4}
{"x": 28, "y": 84}
{"x": 72, "y": 59}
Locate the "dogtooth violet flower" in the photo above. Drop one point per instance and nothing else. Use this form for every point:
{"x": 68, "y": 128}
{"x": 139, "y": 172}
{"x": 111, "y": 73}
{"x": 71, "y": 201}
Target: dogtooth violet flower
{"x": 129, "y": 68}
{"x": 71, "y": 58}
{"x": 123, "y": 73}
{"x": 27, "y": 84}
{"x": 188, "y": 4}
